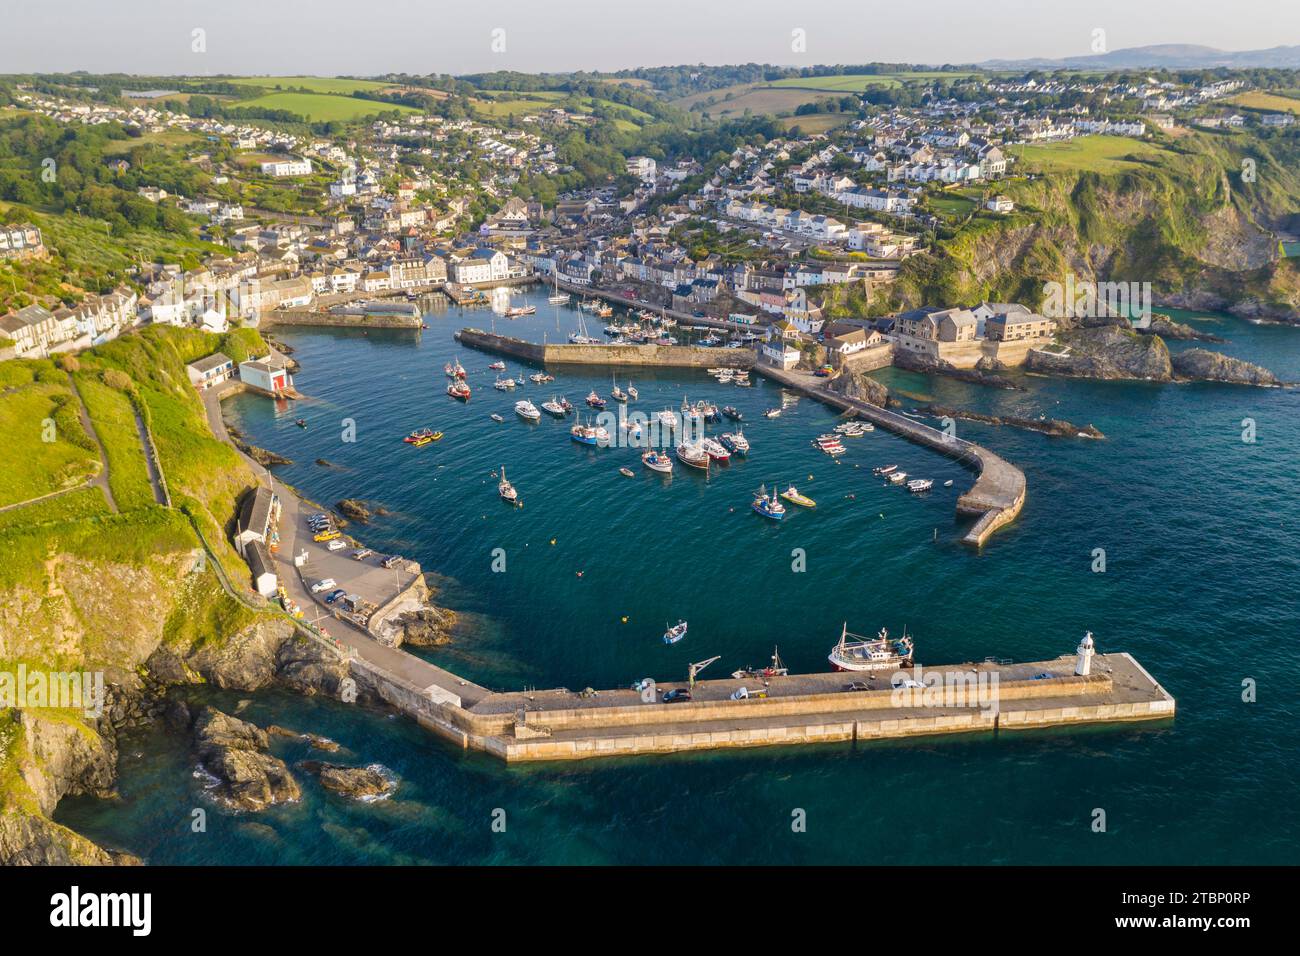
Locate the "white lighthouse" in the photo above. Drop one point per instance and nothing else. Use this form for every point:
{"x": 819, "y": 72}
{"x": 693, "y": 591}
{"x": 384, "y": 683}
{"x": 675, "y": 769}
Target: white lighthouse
{"x": 1085, "y": 649}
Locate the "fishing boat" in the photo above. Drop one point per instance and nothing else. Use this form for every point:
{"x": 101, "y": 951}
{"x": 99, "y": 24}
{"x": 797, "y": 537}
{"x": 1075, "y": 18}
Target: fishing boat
{"x": 497, "y": 418}
{"x": 617, "y": 393}
{"x": 595, "y": 401}
{"x": 527, "y": 411}
{"x": 735, "y": 442}
{"x": 635, "y": 432}
{"x": 657, "y": 461}
{"x": 709, "y": 411}
{"x": 693, "y": 455}
{"x": 507, "y": 490}
{"x": 918, "y": 485}
{"x": 715, "y": 449}
{"x": 566, "y": 404}
{"x": 459, "y": 389}
{"x": 553, "y": 408}
{"x": 541, "y": 378}
{"x": 667, "y": 418}
{"x": 589, "y": 434}
{"x": 632, "y": 393}
{"x": 884, "y": 470}
{"x": 458, "y": 370}
{"x": 497, "y": 366}
{"x": 603, "y": 311}
{"x": 773, "y": 413}
{"x": 418, "y": 434}
{"x": 626, "y": 472}
{"x": 675, "y": 633}
{"x": 897, "y": 477}
{"x": 793, "y": 496}
{"x": 516, "y": 311}
{"x": 862, "y": 654}
{"x": 503, "y": 384}
{"x": 768, "y": 506}
{"x": 731, "y": 412}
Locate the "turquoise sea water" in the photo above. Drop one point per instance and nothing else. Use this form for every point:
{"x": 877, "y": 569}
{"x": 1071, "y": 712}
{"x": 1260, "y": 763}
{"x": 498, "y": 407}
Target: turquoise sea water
{"x": 1199, "y": 530}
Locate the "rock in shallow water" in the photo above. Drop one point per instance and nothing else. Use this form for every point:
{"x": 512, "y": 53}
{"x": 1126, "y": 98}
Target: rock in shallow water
{"x": 357, "y": 782}
{"x": 234, "y": 752}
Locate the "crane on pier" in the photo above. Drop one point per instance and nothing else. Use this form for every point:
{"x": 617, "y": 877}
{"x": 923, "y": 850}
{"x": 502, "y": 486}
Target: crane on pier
{"x": 699, "y": 666}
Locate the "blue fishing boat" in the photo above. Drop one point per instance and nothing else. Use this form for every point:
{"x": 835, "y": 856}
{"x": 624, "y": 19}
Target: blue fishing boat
{"x": 768, "y": 506}
{"x": 675, "y": 633}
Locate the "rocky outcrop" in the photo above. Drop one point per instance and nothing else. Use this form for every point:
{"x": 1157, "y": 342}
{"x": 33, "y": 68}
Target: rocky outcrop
{"x": 981, "y": 375}
{"x": 428, "y": 626}
{"x": 359, "y": 783}
{"x": 1202, "y": 365}
{"x": 309, "y": 668}
{"x": 861, "y": 386}
{"x": 354, "y": 509}
{"x": 1055, "y": 427}
{"x": 316, "y": 741}
{"x": 1107, "y": 352}
{"x": 1172, "y": 331}
{"x": 247, "y": 660}
{"x": 259, "y": 455}
{"x": 233, "y": 751}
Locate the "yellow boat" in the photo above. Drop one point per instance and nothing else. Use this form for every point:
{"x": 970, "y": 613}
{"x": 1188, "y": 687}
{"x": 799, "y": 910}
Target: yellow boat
{"x": 421, "y": 441}
{"x": 792, "y": 495}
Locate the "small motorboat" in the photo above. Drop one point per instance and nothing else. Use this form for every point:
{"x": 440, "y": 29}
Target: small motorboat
{"x": 516, "y": 311}
{"x": 768, "y": 506}
{"x": 503, "y": 384}
{"x": 300, "y": 422}
{"x": 626, "y": 472}
{"x": 527, "y": 411}
{"x": 735, "y": 442}
{"x": 418, "y": 434}
{"x": 498, "y": 366}
{"x": 793, "y": 496}
{"x": 595, "y": 401}
{"x": 773, "y": 413}
{"x": 884, "y": 470}
{"x": 731, "y": 412}
{"x": 617, "y": 393}
{"x": 918, "y": 485}
{"x": 948, "y": 483}
{"x": 459, "y": 389}
{"x": 507, "y": 490}
{"x": 715, "y": 449}
{"x": 897, "y": 477}
{"x": 657, "y": 461}
{"x": 675, "y": 633}
{"x": 632, "y": 393}
{"x": 497, "y": 418}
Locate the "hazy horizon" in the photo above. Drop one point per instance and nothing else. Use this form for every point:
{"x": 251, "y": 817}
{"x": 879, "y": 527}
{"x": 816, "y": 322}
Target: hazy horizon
{"x": 328, "y": 38}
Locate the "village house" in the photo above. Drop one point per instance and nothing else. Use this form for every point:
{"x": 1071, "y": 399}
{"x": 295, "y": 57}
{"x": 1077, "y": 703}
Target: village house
{"x": 21, "y": 242}
{"x": 210, "y": 371}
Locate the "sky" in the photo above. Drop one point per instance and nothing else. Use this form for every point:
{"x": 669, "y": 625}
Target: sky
{"x": 347, "y": 37}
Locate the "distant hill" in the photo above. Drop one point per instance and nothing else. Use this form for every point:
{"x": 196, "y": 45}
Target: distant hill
{"x": 1169, "y": 55}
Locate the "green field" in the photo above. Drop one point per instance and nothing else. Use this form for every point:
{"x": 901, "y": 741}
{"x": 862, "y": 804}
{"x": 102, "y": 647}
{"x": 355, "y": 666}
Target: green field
{"x": 498, "y": 104}
{"x": 114, "y": 421}
{"x": 316, "y": 84}
{"x": 817, "y": 122}
{"x": 31, "y": 413}
{"x": 1270, "y": 102}
{"x": 322, "y": 107}
{"x": 1087, "y": 153}
{"x": 857, "y": 82}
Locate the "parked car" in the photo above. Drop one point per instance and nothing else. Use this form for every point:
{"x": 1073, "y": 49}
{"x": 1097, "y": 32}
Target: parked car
{"x": 329, "y": 535}
{"x": 858, "y": 685}
{"x": 323, "y": 585}
{"x": 334, "y": 595}
{"x": 906, "y": 682}
{"x": 338, "y": 544}
{"x": 674, "y": 696}
{"x": 362, "y": 553}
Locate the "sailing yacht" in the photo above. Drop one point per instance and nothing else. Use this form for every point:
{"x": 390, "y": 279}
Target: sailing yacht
{"x": 507, "y": 490}
{"x": 632, "y": 393}
{"x": 558, "y": 297}
{"x": 618, "y": 394}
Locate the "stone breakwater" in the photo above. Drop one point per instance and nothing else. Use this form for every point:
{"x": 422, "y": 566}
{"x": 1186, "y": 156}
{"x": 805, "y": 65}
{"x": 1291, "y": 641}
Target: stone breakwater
{"x": 665, "y": 356}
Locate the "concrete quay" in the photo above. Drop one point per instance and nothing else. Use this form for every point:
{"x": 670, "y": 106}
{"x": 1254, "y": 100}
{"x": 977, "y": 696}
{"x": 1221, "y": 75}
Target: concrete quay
{"x": 661, "y": 356}
{"x": 998, "y": 494}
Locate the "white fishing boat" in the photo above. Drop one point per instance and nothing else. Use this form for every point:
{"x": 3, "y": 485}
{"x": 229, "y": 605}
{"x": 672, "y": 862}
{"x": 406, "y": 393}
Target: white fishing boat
{"x": 918, "y": 485}
{"x": 617, "y": 393}
{"x": 657, "y": 461}
{"x": 897, "y": 477}
{"x": 667, "y": 418}
{"x": 527, "y": 411}
{"x": 541, "y": 378}
{"x": 772, "y": 413}
{"x": 553, "y": 408}
{"x": 715, "y": 449}
{"x": 507, "y": 490}
{"x": 503, "y": 384}
{"x": 862, "y": 654}
{"x": 735, "y": 441}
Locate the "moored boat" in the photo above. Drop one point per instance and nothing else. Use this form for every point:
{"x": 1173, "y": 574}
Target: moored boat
{"x": 675, "y": 633}
{"x": 527, "y": 411}
{"x": 497, "y": 366}
{"x": 632, "y": 393}
{"x": 553, "y": 408}
{"x": 773, "y": 413}
{"x": 735, "y": 441}
{"x": 862, "y": 654}
{"x": 793, "y": 496}
{"x": 519, "y": 310}
{"x": 918, "y": 485}
{"x": 657, "y": 461}
{"x": 715, "y": 449}
{"x": 733, "y": 413}
{"x": 693, "y": 455}
{"x": 767, "y": 505}
{"x": 505, "y": 489}
{"x": 595, "y": 401}
{"x": 459, "y": 389}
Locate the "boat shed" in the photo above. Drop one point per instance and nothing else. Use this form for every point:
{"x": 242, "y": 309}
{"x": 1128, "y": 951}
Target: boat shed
{"x": 256, "y": 515}
{"x": 262, "y": 568}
